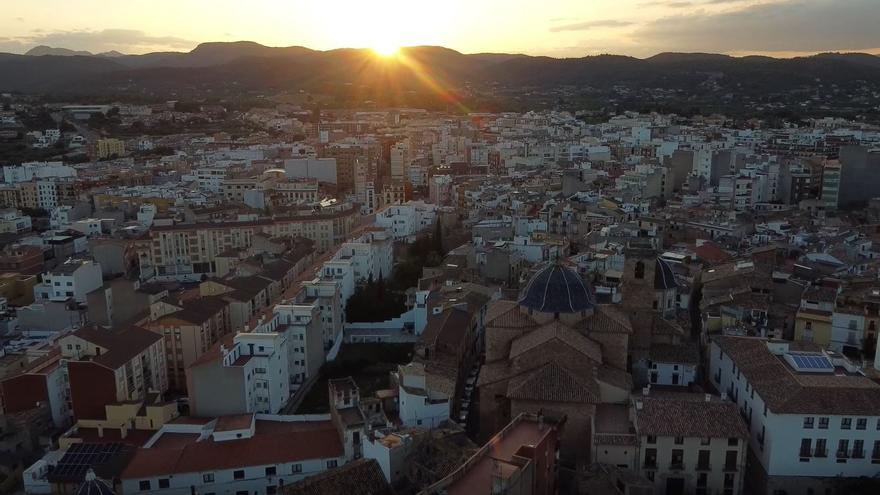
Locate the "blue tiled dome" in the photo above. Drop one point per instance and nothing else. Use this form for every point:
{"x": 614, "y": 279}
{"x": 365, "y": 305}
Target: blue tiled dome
{"x": 557, "y": 289}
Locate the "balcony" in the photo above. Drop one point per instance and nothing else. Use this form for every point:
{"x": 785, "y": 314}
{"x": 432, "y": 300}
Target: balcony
{"x": 842, "y": 454}
{"x": 676, "y": 466}
{"x": 649, "y": 464}
{"x": 730, "y": 468}
{"x": 805, "y": 453}
{"x": 821, "y": 453}
{"x": 704, "y": 466}
{"x": 858, "y": 454}
{"x": 875, "y": 456}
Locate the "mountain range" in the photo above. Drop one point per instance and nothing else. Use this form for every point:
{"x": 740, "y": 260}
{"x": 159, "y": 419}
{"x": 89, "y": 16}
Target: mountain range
{"x": 249, "y": 66}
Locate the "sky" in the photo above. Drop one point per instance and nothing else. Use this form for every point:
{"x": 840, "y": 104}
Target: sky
{"x": 558, "y": 28}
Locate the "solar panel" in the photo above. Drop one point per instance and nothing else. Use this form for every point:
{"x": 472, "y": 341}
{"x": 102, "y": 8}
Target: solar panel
{"x": 82, "y": 456}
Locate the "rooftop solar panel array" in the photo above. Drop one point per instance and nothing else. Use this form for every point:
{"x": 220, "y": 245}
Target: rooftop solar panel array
{"x": 82, "y": 456}
{"x": 812, "y": 362}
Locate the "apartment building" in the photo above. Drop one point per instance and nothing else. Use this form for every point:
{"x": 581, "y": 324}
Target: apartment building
{"x": 73, "y": 279}
{"x": 106, "y": 366}
{"x": 109, "y": 148}
{"x": 14, "y": 222}
{"x": 253, "y": 454}
{"x": 813, "y": 417}
{"x": 690, "y": 443}
{"x": 371, "y": 255}
{"x": 250, "y": 375}
{"x": 188, "y": 251}
{"x": 405, "y": 221}
{"x": 301, "y": 324}
{"x": 190, "y": 329}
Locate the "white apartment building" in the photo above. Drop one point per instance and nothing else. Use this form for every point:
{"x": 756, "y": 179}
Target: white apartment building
{"x": 36, "y": 170}
{"x": 690, "y": 443}
{"x": 301, "y": 324}
{"x": 14, "y": 222}
{"x": 249, "y": 377}
{"x": 405, "y": 221}
{"x": 417, "y": 403}
{"x": 211, "y": 179}
{"x": 73, "y": 279}
{"x": 371, "y": 255}
{"x": 813, "y": 417}
{"x": 847, "y": 328}
{"x": 327, "y": 295}
{"x": 254, "y": 454}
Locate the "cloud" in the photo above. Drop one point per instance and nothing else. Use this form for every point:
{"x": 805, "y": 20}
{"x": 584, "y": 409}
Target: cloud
{"x": 818, "y": 25}
{"x": 587, "y": 25}
{"x": 670, "y": 5}
{"x": 123, "y": 40}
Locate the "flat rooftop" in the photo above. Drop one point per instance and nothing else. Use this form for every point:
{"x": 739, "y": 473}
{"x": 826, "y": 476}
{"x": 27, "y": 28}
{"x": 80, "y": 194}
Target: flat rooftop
{"x": 478, "y": 477}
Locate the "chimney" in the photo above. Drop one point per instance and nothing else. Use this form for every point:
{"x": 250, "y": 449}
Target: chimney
{"x": 708, "y": 397}
{"x": 639, "y": 405}
{"x": 646, "y": 391}
{"x": 723, "y": 395}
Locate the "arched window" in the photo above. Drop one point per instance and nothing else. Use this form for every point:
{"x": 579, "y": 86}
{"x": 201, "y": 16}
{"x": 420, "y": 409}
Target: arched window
{"x": 640, "y": 270}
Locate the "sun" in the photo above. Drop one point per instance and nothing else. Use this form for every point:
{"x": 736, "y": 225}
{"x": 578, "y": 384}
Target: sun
{"x": 386, "y": 49}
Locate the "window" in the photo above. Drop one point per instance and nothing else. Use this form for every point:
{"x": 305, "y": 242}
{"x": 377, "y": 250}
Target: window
{"x": 650, "y": 458}
{"x": 821, "y": 451}
{"x": 823, "y": 423}
{"x": 845, "y": 423}
{"x": 679, "y": 440}
{"x": 331, "y": 464}
{"x": 270, "y": 471}
{"x": 144, "y": 485}
{"x": 164, "y": 483}
{"x": 730, "y": 461}
{"x": 705, "y": 441}
{"x": 649, "y": 475}
{"x": 733, "y": 441}
{"x": 858, "y": 450}
{"x": 703, "y": 460}
{"x": 238, "y": 474}
{"x": 296, "y": 468}
{"x": 862, "y": 423}
{"x": 208, "y": 478}
{"x": 843, "y": 448}
{"x": 677, "y": 459}
{"x": 652, "y": 439}
{"x": 808, "y": 423}
{"x": 806, "y": 444}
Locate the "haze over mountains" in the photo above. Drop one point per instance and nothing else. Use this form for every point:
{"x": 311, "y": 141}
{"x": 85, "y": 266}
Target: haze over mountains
{"x": 251, "y": 66}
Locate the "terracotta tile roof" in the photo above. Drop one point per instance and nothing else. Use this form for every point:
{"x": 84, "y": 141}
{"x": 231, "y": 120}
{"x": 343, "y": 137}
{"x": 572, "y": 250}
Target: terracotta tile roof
{"x": 686, "y": 353}
{"x": 361, "y": 477}
{"x": 298, "y": 442}
{"x": 558, "y": 331}
{"x": 447, "y": 329}
{"x": 122, "y": 344}
{"x": 608, "y": 319}
{"x": 788, "y": 392}
{"x": 506, "y": 314}
{"x": 688, "y": 415}
{"x": 553, "y": 383}
{"x": 613, "y": 376}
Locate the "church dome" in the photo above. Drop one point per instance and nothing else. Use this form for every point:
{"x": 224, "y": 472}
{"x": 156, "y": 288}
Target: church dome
{"x": 93, "y": 486}
{"x": 557, "y": 289}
